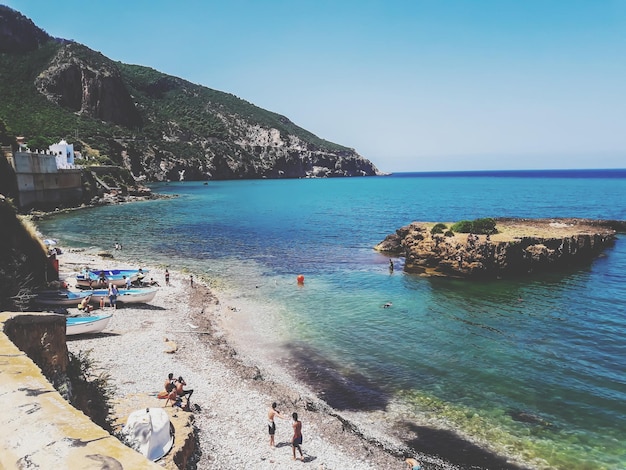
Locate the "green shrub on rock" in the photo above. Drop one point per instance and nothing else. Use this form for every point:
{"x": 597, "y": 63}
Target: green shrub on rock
{"x": 478, "y": 226}
{"x": 438, "y": 228}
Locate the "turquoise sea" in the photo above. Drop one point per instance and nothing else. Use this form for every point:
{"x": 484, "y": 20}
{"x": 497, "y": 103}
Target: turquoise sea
{"x": 535, "y": 367}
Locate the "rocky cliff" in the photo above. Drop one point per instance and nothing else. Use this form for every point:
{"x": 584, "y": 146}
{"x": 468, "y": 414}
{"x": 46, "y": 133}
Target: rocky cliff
{"x": 86, "y": 82}
{"x": 158, "y": 126}
{"x": 520, "y": 247}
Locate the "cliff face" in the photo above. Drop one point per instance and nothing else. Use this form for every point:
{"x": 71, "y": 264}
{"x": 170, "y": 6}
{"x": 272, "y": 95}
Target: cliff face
{"x": 157, "y": 126}
{"x": 86, "y": 82}
{"x": 521, "y": 247}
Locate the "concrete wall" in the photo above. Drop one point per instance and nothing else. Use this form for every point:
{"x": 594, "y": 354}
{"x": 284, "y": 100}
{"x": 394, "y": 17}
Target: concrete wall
{"x": 39, "y": 183}
{"x": 38, "y": 428}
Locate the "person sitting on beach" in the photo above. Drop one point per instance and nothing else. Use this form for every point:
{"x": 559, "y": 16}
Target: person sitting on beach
{"x": 169, "y": 391}
{"x": 412, "y": 464}
{"x": 271, "y": 425}
{"x": 152, "y": 282}
{"x": 181, "y": 392}
{"x": 170, "y": 382}
{"x": 84, "y": 304}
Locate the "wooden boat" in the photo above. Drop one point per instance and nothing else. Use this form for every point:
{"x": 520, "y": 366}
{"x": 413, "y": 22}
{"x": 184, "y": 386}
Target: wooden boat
{"x": 104, "y": 277}
{"x": 87, "y": 325}
{"x": 61, "y": 297}
{"x": 125, "y": 296}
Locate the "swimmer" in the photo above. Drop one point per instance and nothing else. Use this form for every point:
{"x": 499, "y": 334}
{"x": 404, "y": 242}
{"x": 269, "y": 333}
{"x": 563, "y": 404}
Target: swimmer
{"x": 387, "y": 305}
{"x": 412, "y": 464}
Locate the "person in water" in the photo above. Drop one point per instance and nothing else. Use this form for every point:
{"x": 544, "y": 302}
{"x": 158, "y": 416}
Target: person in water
{"x": 412, "y": 464}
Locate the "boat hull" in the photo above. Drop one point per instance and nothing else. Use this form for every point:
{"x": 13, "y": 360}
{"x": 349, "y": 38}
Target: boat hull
{"x": 87, "y": 325}
{"x": 92, "y": 278}
{"x": 125, "y": 296}
{"x": 61, "y": 297}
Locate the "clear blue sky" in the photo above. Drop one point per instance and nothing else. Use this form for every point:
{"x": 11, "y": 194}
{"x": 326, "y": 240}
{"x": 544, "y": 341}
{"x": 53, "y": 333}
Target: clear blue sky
{"x": 413, "y": 85}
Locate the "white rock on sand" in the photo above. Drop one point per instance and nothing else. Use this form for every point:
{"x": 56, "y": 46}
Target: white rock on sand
{"x": 228, "y": 388}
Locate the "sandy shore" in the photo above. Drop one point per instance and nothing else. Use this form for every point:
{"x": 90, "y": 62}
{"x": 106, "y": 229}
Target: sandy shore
{"x": 233, "y": 386}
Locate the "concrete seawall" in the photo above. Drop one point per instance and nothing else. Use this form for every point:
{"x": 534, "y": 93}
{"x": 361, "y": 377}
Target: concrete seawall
{"x": 38, "y": 428}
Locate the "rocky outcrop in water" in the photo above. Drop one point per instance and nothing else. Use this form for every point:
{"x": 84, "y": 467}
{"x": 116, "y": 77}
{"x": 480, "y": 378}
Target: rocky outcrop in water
{"x": 520, "y": 247}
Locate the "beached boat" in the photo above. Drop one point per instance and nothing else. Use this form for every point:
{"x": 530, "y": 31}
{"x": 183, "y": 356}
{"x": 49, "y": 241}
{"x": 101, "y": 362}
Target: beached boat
{"x": 104, "y": 277}
{"x": 86, "y": 325}
{"x": 60, "y": 297}
{"x": 125, "y": 296}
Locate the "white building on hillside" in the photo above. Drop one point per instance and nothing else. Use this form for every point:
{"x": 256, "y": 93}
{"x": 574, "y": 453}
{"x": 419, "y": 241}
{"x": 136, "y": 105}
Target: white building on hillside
{"x": 64, "y": 153}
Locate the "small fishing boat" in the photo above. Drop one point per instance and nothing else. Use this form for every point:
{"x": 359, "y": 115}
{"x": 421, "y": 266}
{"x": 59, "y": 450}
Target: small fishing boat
{"x": 125, "y": 296}
{"x": 87, "y": 325}
{"x": 60, "y": 297}
{"x": 104, "y": 277}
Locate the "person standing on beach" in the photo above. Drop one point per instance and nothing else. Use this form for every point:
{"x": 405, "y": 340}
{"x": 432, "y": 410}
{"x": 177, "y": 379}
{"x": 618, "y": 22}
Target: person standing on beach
{"x": 113, "y": 295}
{"x": 191, "y": 280}
{"x": 296, "y": 440}
{"x": 271, "y": 425}
{"x": 167, "y": 277}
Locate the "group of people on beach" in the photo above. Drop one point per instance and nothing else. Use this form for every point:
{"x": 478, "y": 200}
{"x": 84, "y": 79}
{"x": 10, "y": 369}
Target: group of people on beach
{"x": 175, "y": 392}
{"x": 296, "y": 439}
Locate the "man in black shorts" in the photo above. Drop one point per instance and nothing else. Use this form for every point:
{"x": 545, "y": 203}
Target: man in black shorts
{"x": 271, "y": 425}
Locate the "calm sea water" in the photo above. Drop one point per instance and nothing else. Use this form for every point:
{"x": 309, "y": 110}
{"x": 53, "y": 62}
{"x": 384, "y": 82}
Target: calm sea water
{"x": 470, "y": 355}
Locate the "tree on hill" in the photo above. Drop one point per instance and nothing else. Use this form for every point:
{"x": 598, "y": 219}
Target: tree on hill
{"x": 6, "y": 136}
{"x": 39, "y": 143}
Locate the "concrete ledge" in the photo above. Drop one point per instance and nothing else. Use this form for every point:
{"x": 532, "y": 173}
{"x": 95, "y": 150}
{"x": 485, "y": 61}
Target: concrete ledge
{"x": 39, "y": 429}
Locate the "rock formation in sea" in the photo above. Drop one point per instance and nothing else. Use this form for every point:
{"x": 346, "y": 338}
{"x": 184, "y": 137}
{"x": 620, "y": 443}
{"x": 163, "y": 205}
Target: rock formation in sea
{"x": 519, "y": 247}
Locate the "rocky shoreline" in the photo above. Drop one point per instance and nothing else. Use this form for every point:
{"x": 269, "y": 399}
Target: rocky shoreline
{"x": 516, "y": 247}
{"x": 233, "y": 388}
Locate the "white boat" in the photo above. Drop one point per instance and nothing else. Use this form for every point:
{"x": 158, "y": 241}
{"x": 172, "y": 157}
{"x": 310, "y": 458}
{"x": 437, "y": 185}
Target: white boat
{"x": 125, "y": 296}
{"x": 87, "y": 324}
{"x": 104, "y": 277}
{"x": 61, "y": 297}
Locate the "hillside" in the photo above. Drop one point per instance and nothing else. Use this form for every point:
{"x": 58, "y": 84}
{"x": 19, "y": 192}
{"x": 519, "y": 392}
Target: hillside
{"x": 154, "y": 124}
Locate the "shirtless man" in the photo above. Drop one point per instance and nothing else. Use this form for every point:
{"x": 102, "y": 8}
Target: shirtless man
{"x": 296, "y": 440}
{"x": 271, "y": 425}
{"x": 169, "y": 382}
{"x": 182, "y": 392}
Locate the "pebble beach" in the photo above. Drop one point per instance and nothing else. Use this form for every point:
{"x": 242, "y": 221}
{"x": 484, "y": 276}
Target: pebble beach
{"x": 232, "y": 390}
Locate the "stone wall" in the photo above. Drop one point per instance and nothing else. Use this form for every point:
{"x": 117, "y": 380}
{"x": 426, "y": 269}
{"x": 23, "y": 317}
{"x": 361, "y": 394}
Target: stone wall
{"x": 38, "y": 428}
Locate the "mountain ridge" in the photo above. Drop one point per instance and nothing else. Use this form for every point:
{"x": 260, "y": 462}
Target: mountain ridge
{"x": 156, "y": 125}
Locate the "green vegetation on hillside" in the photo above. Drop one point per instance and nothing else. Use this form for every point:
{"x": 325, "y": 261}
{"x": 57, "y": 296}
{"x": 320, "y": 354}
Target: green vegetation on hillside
{"x": 195, "y": 107}
{"x": 192, "y": 107}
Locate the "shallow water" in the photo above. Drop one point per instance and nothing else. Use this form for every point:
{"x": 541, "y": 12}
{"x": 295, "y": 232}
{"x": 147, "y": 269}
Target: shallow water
{"x": 543, "y": 377}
